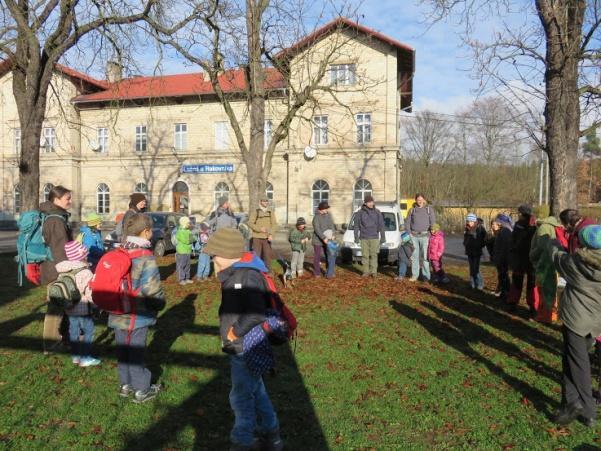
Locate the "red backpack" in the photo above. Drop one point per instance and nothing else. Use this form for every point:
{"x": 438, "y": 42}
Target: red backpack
{"x": 283, "y": 312}
{"x": 111, "y": 285}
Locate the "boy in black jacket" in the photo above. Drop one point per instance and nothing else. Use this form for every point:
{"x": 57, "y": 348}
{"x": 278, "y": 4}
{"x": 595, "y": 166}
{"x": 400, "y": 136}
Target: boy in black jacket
{"x": 474, "y": 240}
{"x": 244, "y": 301}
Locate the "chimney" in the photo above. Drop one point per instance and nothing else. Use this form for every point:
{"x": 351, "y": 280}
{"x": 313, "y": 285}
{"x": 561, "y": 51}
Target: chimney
{"x": 114, "y": 71}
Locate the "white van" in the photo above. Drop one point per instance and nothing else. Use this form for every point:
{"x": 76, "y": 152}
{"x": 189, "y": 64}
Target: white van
{"x": 393, "y": 224}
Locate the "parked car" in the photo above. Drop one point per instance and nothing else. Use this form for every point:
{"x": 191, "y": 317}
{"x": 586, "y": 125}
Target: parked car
{"x": 393, "y": 224}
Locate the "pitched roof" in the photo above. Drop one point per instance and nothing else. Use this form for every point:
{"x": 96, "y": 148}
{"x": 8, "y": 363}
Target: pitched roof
{"x": 179, "y": 85}
{"x": 342, "y": 23}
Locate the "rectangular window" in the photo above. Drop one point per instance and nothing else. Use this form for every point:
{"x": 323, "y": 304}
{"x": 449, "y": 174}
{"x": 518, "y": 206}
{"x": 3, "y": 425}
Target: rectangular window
{"x": 49, "y": 139}
{"x": 320, "y": 130}
{"x": 363, "y": 128}
{"x": 181, "y": 137}
{"x": 342, "y": 74}
{"x": 17, "y": 140}
{"x": 268, "y": 132}
{"x": 222, "y": 138}
{"x": 102, "y": 135}
{"x": 141, "y": 138}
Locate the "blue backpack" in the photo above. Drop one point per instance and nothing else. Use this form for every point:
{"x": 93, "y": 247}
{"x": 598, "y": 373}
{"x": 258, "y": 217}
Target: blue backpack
{"x": 31, "y": 248}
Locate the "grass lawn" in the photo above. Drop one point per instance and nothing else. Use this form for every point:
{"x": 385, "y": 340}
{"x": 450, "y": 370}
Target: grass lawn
{"x": 377, "y": 365}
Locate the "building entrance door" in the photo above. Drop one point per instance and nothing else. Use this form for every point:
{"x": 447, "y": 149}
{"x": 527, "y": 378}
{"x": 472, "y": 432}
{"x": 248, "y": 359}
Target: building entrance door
{"x": 181, "y": 198}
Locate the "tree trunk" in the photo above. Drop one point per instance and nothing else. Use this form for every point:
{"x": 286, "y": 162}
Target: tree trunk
{"x": 562, "y": 21}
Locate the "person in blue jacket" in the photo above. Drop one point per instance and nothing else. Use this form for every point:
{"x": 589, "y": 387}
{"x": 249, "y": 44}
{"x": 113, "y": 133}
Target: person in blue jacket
{"x": 90, "y": 237}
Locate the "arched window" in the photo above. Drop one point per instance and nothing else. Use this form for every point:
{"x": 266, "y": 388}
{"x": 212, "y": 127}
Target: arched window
{"x": 103, "y": 199}
{"x": 320, "y": 192}
{"x": 18, "y": 199}
{"x": 141, "y": 188}
{"x": 221, "y": 190}
{"x": 269, "y": 192}
{"x": 362, "y": 188}
{"x": 46, "y": 192}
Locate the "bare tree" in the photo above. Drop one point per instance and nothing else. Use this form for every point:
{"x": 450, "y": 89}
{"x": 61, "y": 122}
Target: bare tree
{"x": 554, "y": 58}
{"x": 34, "y": 36}
{"x": 429, "y": 138}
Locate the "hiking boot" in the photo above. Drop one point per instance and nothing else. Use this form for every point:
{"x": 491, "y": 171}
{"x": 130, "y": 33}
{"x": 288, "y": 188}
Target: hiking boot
{"x": 88, "y": 361}
{"x": 269, "y": 442}
{"x": 126, "y": 390}
{"x": 589, "y": 422}
{"x": 567, "y": 414}
{"x": 142, "y": 396}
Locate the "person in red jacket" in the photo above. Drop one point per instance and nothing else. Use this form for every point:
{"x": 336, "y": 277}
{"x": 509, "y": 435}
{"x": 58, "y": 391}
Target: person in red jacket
{"x": 574, "y": 223}
{"x": 435, "y": 251}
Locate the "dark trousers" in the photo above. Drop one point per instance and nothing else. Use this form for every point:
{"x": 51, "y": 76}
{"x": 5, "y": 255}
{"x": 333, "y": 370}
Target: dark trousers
{"x": 330, "y": 260}
{"x": 262, "y": 248}
{"x": 517, "y": 285}
{"x": 182, "y": 265}
{"x": 503, "y": 282}
{"x": 576, "y": 387}
{"x": 130, "y": 358}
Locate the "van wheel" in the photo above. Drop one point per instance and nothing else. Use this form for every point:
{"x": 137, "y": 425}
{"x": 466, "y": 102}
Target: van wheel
{"x": 159, "y": 248}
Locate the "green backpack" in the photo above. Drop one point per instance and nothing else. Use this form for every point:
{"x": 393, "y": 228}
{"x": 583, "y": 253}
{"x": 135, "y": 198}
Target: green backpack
{"x": 63, "y": 292}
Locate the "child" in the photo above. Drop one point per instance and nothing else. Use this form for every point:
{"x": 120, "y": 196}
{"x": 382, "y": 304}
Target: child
{"x": 183, "y": 250}
{"x": 298, "y": 239}
{"x": 204, "y": 260}
{"x": 92, "y": 240}
{"x": 405, "y": 252}
{"x": 501, "y": 231}
{"x": 80, "y": 315}
{"x": 473, "y": 241}
{"x": 130, "y": 338}
{"x": 244, "y": 302}
{"x": 435, "y": 251}
{"x": 331, "y": 252}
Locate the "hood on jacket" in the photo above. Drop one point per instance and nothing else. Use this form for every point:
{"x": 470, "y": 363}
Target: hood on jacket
{"x": 438, "y": 233}
{"x": 250, "y": 260}
{"x": 50, "y": 208}
{"x": 590, "y": 263}
{"x": 551, "y": 220}
{"x": 67, "y": 265}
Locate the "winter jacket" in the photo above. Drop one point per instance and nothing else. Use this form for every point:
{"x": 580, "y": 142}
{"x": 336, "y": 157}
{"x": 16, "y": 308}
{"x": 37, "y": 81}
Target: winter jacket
{"x": 405, "y": 252}
{"x": 56, "y": 233}
{"x": 92, "y": 241}
{"x": 436, "y": 246}
{"x": 321, "y": 223}
{"x": 222, "y": 218}
{"x": 521, "y": 239}
{"x": 295, "y": 238}
{"x": 260, "y": 219}
{"x": 474, "y": 241}
{"x": 244, "y": 300}
{"x": 369, "y": 224}
{"x": 145, "y": 277}
{"x": 580, "y": 306}
{"x": 185, "y": 238}
{"x": 419, "y": 220}
{"x": 573, "y": 239}
{"x": 501, "y": 247}
{"x": 82, "y": 280}
{"x": 546, "y": 277}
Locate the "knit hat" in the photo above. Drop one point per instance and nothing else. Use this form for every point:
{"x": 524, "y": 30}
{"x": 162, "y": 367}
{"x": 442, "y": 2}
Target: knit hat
{"x": 264, "y": 199}
{"x": 93, "y": 220}
{"x": 525, "y": 210}
{"x": 471, "y": 217}
{"x": 136, "y": 198}
{"x": 222, "y": 200}
{"x": 590, "y": 236}
{"x": 184, "y": 222}
{"x": 503, "y": 219}
{"x": 301, "y": 221}
{"x": 75, "y": 251}
{"x": 323, "y": 205}
{"x": 226, "y": 243}
{"x": 405, "y": 237}
{"x": 368, "y": 198}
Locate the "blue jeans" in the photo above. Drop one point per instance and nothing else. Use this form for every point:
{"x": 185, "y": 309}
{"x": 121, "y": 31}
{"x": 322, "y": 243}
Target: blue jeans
{"x": 475, "y": 276}
{"x": 402, "y": 268}
{"x": 81, "y": 349}
{"x": 204, "y": 266}
{"x": 419, "y": 258}
{"x": 331, "y": 259}
{"x": 250, "y": 402}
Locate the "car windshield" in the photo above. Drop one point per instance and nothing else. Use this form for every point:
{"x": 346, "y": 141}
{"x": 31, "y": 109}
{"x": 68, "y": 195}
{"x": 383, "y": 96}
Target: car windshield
{"x": 158, "y": 220}
{"x": 390, "y": 224}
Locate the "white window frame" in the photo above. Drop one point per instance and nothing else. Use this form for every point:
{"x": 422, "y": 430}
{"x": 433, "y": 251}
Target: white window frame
{"x": 267, "y": 132}
{"x": 363, "y": 121}
{"x": 343, "y": 74}
{"x": 362, "y": 188}
{"x": 180, "y": 136}
{"x": 269, "y": 192}
{"x": 17, "y": 140}
{"x": 102, "y": 137}
{"x": 138, "y": 188}
{"x": 221, "y": 189}
{"x": 319, "y": 187}
{"x": 17, "y": 199}
{"x": 320, "y": 130}
{"x": 222, "y": 137}
{"x": 49, "y": 139}
{"x": 46, "y": 191}
{"x": 103, "y": 199}
{"x": 141, "y": 142}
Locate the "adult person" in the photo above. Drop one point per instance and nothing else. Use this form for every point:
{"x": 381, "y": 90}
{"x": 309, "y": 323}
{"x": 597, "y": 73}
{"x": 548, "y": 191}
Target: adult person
{"x": 322, "y": 221}
{"x": 574, "y": 222}
{"x": 137, "y": 204}
{"x": 369, "y": 231}
{"x": 263, "y": 223}
{"x": 580, "y": 313}
{"x": 223, "y": 216}
{"x": 56, "y": 232}
{"x": 418, "y": 223}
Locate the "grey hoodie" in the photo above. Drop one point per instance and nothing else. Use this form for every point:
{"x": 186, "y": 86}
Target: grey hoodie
{"x": 321, "y": 223}
{"x": 419, "y": 220}
{"x": 369, "y": 224}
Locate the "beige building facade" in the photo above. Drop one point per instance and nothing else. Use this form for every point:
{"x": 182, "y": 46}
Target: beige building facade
{"x": 170, "y": 137}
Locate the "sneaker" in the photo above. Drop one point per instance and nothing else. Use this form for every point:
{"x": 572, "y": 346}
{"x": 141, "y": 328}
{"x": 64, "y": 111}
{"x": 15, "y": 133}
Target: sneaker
{"x": 413, "y": 279}
{"x": 269, "y": 442}
{"x": 142, "y": 396}
{"x": 188, "y": 281}
{"x": 88, "y": 361}
{"x": 75, "y": 360}
{"x": 399, "y": 278}
{"x": 183, "y": 282}
{"x": 126, "y": 390}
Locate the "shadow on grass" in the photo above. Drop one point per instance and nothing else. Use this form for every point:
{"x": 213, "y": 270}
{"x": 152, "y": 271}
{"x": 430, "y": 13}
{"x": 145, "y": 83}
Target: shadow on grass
{"x": 463, "y": 336}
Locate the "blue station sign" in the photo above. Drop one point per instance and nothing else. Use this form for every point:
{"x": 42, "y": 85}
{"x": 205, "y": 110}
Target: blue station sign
{"x": 207, "y": 168}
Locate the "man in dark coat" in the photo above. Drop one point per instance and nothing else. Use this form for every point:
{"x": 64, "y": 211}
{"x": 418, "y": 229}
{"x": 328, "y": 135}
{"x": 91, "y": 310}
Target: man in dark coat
{"x": 369, "y": 231}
